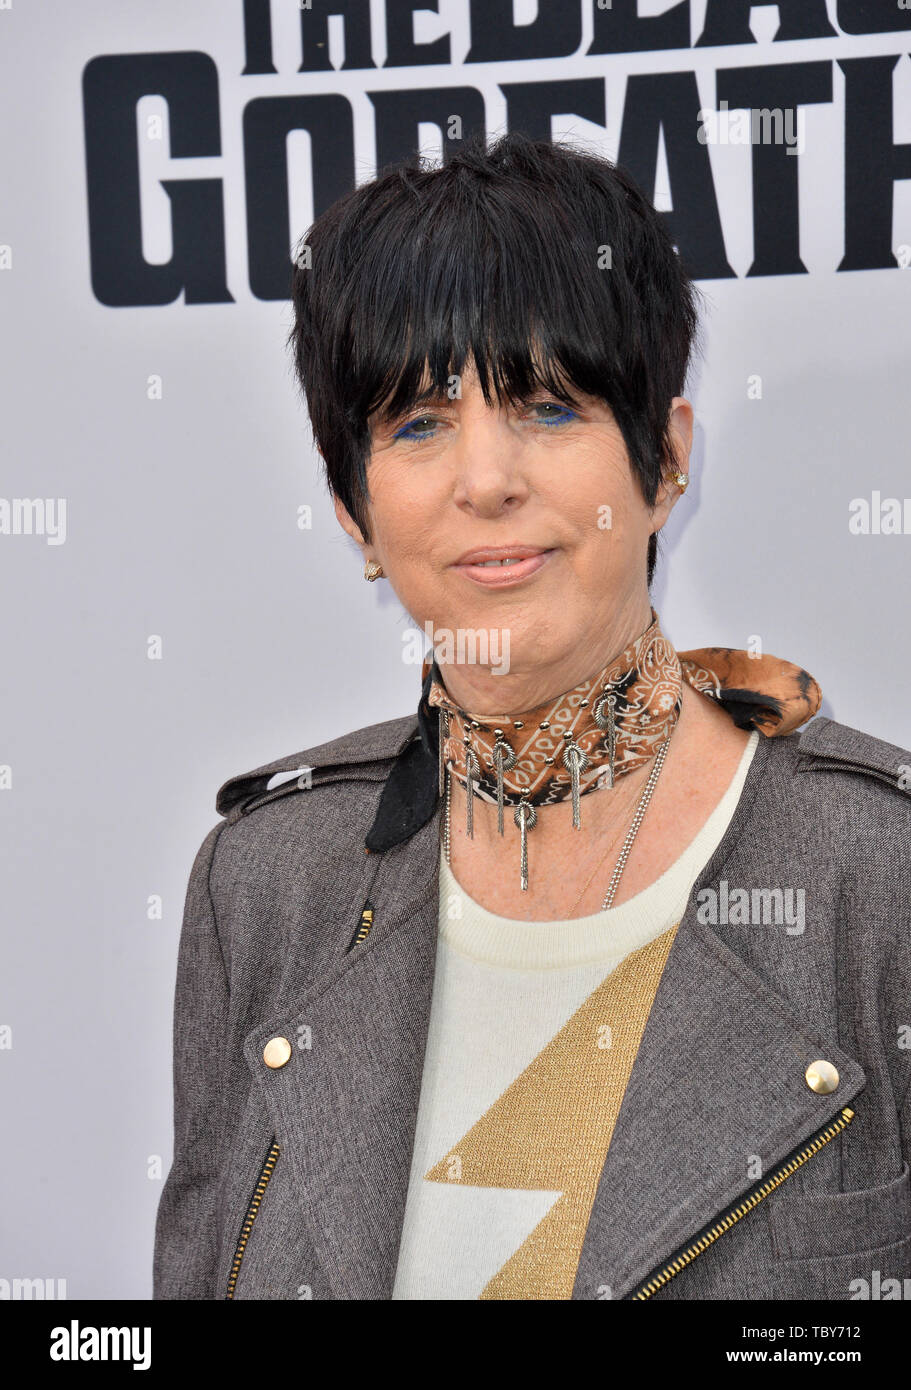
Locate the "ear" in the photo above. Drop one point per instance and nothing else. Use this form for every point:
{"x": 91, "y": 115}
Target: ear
{"x": 346, "y": 521}
{"x": 680, "y": 422}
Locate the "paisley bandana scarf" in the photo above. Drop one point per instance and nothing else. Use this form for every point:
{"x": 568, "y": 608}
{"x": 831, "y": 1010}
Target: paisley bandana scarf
{"x": 608, "y": 725}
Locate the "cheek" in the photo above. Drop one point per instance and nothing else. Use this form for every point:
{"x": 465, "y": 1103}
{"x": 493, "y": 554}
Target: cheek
{"x": 629, "y": 521}
{"x": 408, "y": 530}
{"x": 406, "y": 535}
{"x": 595, "y": 492}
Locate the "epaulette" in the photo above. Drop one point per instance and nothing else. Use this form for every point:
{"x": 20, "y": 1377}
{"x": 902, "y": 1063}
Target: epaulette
{"x": 829, "y": 745}
{"x": 365, "y": 754}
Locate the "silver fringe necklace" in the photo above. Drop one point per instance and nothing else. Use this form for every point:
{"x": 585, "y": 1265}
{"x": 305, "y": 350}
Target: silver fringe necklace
{"x": 618, "y": 720}
{"x": 526, "y": 816}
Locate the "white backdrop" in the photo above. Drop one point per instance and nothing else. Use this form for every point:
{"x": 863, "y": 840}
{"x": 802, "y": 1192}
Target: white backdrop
{"x": 173, "y": 433}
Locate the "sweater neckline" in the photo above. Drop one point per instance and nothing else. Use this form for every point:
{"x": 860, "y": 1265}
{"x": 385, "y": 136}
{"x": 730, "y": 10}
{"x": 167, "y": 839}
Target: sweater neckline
{"x": 605, "y": 936}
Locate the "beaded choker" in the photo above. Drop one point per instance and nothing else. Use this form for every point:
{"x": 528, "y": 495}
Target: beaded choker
{"x": 609, "y": 725}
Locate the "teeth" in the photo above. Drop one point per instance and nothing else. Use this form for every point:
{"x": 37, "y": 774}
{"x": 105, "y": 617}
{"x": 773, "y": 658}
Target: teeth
{"x": 500, "y": 562}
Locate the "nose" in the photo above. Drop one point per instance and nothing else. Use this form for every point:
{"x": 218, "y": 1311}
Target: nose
{"x": 489, "y": 460}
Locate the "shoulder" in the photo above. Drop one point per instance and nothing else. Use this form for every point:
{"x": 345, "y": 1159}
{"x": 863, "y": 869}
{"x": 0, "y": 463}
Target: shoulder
{"x": 366, "y": 754}
{"x": 294, "y": 827}
{"x": 291, "y": 832}
{"x": 843, "y": 794}
{"x": 832, "y": 795}
{"x": 852, "y": 819}
{"x": 826, "y": 746}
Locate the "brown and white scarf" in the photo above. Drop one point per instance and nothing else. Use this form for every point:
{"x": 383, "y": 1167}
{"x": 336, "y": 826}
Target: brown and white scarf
{"x": 613, "y": 722}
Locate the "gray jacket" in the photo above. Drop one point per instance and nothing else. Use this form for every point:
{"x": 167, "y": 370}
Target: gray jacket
{"x": 727, "y": 1176}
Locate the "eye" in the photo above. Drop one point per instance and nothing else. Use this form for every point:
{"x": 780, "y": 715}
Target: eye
{"x": 558, "y": 414}
{"x": 562, "y": 416}
{"x": 410, "y": 430}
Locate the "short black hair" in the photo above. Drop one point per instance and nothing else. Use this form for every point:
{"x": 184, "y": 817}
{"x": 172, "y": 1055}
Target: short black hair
{"x": 542, "y": 260}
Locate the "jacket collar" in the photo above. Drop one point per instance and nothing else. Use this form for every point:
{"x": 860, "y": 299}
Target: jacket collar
{"x": 719, "y": 1074}
{"x": 411, "y": 793}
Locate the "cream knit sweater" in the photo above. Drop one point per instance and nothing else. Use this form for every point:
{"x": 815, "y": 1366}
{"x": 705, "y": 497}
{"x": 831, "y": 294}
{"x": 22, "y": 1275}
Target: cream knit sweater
{"x": 534, "y": 1029}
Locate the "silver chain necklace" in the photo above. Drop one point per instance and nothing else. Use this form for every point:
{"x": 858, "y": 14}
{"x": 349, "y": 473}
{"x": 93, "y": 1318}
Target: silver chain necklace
{"x": 625, "y": 849}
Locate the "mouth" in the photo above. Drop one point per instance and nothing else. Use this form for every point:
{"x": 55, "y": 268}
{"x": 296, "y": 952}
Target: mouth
{"x": 501, "y": 566}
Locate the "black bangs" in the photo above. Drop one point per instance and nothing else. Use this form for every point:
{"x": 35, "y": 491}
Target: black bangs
{"x": 543, "y": 264}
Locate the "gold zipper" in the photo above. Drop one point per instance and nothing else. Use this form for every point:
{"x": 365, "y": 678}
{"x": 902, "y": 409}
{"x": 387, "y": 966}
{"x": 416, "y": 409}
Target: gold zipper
{"x": 740, "y": 1208}
{"x": 250, "y": 1217}
{"x": 362, "y": 929}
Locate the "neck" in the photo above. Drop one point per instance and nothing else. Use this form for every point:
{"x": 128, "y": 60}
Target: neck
{"x": 530, "y": 684}
{"x": 606, "y": 726}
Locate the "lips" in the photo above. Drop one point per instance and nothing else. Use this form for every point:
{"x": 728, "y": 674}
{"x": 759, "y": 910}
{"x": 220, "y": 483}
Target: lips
{"x": 501, "y": 565}
{"x": 499, "y": 552}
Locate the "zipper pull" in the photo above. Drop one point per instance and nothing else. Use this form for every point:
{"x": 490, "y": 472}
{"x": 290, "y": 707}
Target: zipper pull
{"x": 363, "y": 927}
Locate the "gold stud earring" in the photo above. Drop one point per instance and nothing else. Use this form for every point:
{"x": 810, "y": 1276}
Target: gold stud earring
{"x": 681, "y": 479}
{"x": 372, "y": 571}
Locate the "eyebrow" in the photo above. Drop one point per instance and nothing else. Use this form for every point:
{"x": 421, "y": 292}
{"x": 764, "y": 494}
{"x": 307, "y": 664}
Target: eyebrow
{"x": 430, "y": 396}
{"x": 433, "y": 397}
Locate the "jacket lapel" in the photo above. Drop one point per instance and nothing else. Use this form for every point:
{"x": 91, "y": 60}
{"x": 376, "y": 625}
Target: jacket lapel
{"x": 719, "y": 1077}
{"x": 344, "y": 1107}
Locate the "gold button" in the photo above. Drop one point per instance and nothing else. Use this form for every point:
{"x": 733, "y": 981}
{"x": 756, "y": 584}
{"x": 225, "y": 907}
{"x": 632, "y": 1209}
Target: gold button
{"x": 276, "y": 1052}
{"x": 822, "y": 1077}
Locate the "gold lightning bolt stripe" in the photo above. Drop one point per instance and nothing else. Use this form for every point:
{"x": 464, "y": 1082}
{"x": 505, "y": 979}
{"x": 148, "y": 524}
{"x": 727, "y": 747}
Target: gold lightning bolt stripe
{"x": 551, "y": 1128}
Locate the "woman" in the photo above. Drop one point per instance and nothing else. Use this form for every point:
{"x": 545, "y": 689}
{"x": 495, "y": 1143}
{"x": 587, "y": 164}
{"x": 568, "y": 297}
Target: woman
{"x": 587, "y": 980}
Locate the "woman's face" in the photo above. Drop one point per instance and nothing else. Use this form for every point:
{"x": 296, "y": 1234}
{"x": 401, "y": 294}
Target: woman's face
{"x": 459, "y": 476}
